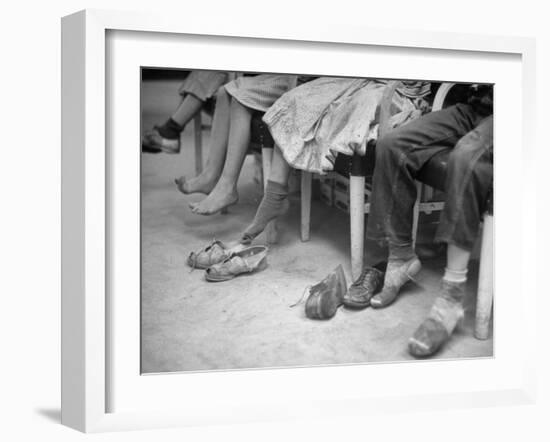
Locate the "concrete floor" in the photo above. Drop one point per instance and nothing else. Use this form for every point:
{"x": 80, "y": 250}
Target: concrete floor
{"x": 190, "y": 324}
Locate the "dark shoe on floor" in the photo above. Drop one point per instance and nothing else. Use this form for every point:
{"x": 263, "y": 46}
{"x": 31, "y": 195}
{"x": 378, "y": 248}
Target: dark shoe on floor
{"x": 326, "y": 296}
{"x": 247, "y": 260}
{"x": 369, "y": 283}
{"x": 446, "y": 313}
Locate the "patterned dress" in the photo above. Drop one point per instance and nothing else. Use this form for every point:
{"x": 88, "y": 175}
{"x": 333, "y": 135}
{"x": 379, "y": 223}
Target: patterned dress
{"x": 316, "y": 121}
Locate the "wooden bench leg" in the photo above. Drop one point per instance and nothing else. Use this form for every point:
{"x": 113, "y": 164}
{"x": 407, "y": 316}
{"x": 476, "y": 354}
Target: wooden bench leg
{"x": 357, "y": 215}
{"x": 198, "y": 142}
{"x": 485, "y": 285}
{"x": 306, "y": 178}
{"x": 271, "y": 229}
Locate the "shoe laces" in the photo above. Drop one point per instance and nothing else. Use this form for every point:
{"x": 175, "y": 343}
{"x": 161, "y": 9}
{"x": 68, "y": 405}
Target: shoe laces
{"x": 362, "y": 277}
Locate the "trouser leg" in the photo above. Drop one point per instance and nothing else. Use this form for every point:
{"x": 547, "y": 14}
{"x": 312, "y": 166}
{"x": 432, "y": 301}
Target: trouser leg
{"x": 399, "y": 157}
{"x": 469, "y": 180}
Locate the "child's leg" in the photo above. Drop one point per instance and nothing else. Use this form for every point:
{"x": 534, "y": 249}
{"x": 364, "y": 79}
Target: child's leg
{"x": 275, "y": 200}
{"x": 187, "y": 109}
{"x": 225, "y": 191}
{"x": 206, "y": 181}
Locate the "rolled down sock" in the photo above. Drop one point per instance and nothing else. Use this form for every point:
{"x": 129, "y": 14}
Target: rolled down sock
{"x": 170, "y": 129}
{"x": 274, "y": 203}
{"x": 455, "y": 275}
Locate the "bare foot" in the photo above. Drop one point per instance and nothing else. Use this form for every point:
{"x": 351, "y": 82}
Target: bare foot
{"x": 201, "y": 184}
{"x": 218, "y": 199}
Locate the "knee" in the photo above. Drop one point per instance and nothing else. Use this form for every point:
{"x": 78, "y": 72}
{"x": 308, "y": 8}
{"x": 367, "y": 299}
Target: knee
{"x": 221, "y": 93}
{"x": 463, "y": 154}
{"x": 388, "y": 146}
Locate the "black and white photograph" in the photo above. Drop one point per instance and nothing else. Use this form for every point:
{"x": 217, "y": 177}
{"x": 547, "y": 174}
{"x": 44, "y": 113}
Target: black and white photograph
{"x": 293, "y": 220}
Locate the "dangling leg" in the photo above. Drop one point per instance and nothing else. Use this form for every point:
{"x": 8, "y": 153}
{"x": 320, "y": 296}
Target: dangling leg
{"x": 205, "y": 182}
{"x": 275, "y": 200}
{"x": 187, "y": 109}
{"x": 469, "y": 179}
{"x": 225, "y": 193}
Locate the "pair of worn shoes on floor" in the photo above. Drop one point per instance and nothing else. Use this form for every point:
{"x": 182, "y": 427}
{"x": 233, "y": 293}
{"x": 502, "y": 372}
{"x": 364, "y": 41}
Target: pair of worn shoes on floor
{"x": 328, "y": 295}
{"x": 222, "y": 263}
{"x": 369, "y": 289}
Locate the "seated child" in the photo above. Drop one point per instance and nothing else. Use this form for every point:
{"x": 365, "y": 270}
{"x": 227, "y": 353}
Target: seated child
{"x": 197, "y": 88}
{"x": 235, "y": 104}
{"x": 466, "y": 130}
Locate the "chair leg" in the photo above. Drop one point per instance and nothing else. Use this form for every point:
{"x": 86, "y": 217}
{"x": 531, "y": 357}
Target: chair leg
{"x": 306, "y": 179}
{"x": 416, "y": 213}
{"x": 485, "y": 285}
{"x": 198, "y": 142}
{"x": 357, "y": 215}
{"x": 271, "y": 229}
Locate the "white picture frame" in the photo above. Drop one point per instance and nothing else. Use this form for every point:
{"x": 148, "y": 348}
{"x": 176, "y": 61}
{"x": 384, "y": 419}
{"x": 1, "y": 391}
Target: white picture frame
{"x": 86, "y": 315}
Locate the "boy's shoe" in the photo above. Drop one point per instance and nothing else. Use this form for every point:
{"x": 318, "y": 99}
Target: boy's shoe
{"x": 397, "y": 274}
{"x": 326, "y": 296}
{"x": 369, "y": 283}
{"x": 446, "y": 313}
{"x": 153, "y": 139}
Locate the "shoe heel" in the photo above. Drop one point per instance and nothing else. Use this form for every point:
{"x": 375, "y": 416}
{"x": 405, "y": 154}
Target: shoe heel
{"x": 262, "y": 265}
{"x": 414, "y": 269}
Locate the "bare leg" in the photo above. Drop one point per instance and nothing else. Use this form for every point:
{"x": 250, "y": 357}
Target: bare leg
{"x": 225, "y": 192}
{"x": 275, "y": 200}
{"x": 187, "y": 109}
{"x": 206, "y": 181}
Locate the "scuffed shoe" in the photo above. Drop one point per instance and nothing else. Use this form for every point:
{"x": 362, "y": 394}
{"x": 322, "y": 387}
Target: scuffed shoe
{"x": 446, "y": 313}
{"x": 397, "y": 274}
{"x": 213, "y": 253}
{"x": 326, "y": 296}
{"x": 368, "y": 284}
{"x": 247, "y": 260}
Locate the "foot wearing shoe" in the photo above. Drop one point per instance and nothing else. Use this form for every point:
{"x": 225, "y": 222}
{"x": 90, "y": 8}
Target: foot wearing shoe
{"x": 153, "y": 140}
{"x": 446, "y": 313}
{"x": 220, "y": 198}
{"x": 204, "y": 183}
{"x": 368, "y": 284}
{"x": 398, "y": 273}
{"x": 274, "y": 204}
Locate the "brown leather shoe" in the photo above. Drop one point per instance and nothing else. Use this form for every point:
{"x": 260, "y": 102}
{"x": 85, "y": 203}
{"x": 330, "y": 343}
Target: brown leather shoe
{"x": 369, "y": 283}
{"x": 326, "y": 296}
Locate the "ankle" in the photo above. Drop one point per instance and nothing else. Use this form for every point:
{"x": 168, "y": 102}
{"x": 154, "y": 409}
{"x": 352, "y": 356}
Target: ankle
{"x": 170, "y": 129}
{"x": 455, "y": 276}
{"x": 401, "y": 252}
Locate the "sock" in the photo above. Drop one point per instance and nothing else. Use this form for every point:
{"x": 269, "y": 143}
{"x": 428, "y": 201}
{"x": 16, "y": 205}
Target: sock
{"x": 170, "y": 129}
{"x": 442, "y": 320}
{"x": 274, "y": 203}
{"x": 455, "y": 275}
